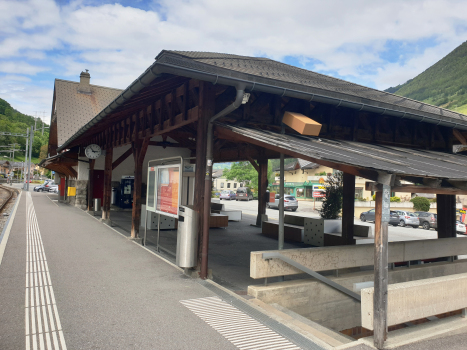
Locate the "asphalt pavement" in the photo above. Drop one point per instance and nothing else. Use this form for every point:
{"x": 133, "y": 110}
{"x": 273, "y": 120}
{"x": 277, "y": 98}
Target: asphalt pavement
{"x": 110, "y": 293}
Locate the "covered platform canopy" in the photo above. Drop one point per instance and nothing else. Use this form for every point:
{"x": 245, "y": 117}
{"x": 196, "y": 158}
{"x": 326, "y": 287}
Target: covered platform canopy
{"x": 183, "y": 96}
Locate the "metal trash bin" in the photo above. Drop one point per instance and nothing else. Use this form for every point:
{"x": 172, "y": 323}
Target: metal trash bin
{"x": 113, "y": 198}
{"x": 97, "y": 204}
{"x": 187, "y": 237}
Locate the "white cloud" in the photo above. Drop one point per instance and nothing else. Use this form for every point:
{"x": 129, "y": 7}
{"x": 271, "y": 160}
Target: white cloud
{"x": 117, "y": 43}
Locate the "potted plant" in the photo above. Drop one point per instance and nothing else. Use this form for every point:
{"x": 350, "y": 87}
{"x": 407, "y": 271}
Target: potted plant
{"x": 332, "y": 203}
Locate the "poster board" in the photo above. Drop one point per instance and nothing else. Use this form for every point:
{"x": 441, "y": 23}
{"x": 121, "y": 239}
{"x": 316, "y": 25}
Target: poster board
{"x": 168, "y": 181}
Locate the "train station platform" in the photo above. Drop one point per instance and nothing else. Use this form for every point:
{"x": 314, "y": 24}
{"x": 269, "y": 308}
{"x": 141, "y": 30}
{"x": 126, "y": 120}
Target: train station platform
{"x": 69, "y": 281}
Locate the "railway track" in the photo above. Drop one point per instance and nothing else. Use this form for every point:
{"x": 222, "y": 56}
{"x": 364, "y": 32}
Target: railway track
{"x": 5, "y": 195}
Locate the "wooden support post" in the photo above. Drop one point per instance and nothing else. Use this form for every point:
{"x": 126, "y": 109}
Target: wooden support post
{"x": 348, "y": 208}
{"x": 107, "y": 185}
{"x": 262, "y": 186}
{"x": 446, "y": 204}
{"x": 380, "y": 302}
{"x": 91, "y": 183}
{"x": 140, "y": 149}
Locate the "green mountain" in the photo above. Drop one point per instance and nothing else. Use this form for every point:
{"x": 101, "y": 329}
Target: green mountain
{"x": 13, "y": 121}
{"x": 444, "y": 84}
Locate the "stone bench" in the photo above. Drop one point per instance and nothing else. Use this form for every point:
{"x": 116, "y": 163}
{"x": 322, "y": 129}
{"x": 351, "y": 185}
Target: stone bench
{"x": 341, "y": 257}
{"x": 414, "y": 300}
{"x": 233, "y": 215}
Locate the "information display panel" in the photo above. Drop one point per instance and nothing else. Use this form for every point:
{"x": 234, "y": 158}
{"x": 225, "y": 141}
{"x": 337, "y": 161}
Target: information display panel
{"x": 168, "y": 189}
{"x": 151, "y": 190}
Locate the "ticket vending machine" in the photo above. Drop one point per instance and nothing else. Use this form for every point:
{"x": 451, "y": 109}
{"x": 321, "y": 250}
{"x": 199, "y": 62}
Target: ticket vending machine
{"x": 126, "y": 191}
{"x": 187, "y": 237}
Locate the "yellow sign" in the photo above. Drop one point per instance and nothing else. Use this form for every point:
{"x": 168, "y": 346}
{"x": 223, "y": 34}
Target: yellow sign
{"x": 71, "y": 191}
{"x": 321, "y": 180}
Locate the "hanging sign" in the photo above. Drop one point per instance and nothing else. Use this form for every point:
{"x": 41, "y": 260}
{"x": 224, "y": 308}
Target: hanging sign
{"x": 272, "y": 197}
{"x": 386, "y": 203}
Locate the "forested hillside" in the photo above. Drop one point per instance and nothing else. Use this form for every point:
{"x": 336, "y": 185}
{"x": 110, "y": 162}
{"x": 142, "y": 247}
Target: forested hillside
{"x": 15, "y": 122}
{"x": 444, "y": 84}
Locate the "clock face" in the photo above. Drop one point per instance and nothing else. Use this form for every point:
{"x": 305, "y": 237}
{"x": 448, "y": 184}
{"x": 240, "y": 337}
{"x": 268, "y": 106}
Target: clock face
{"x": 93, "y": 151}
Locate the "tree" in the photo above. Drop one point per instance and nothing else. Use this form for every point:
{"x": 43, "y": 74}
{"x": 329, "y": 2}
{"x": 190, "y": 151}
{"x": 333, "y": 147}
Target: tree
{"x": 420, "y": 203}
{"x": 43, "y": 154}
{"x": 242, "y": 172}
{"x": 332, "y": 204}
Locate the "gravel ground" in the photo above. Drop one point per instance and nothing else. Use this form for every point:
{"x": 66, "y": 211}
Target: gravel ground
{"x": 7, "y": 209}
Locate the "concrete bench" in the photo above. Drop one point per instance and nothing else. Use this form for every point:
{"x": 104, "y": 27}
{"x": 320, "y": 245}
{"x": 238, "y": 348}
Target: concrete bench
{"x": 414, "y": 300}
{"x": 233, "y": 215}
{"x": 341, "y": 257}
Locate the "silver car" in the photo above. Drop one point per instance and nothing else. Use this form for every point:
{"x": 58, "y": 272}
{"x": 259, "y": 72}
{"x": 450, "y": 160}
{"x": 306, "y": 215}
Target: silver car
{"x": 407, "y": 218}
{"x": 290, "y": 202}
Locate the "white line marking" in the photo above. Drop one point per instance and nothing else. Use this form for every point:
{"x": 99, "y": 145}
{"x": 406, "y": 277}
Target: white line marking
{"x": 237, "y": 327}
{"x": 42, "y": 320}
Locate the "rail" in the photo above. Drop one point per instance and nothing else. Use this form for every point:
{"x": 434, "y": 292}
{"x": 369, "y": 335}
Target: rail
{"x": 312, "y": 273}
{"x": 9, "y": 197}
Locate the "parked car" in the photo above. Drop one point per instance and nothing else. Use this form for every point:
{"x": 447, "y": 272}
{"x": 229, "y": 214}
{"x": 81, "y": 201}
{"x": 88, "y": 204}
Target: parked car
{"x": 407, "y": 218}
{"x": 368, "y": 215}
{"x": 44, "y": 187}
{"x": 53, "y": 188}
{"x": 290, "y": 203}
{"x": 427, "y": 220}
{"x": 244, "y": 193}
{"x": 393, "y": 218}
{"x": 460, "y": 227}
{"x": 227, "y": 195}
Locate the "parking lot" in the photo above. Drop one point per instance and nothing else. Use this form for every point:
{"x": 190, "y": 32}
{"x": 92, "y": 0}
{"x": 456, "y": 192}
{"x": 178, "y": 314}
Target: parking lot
{"x": 305, "y": 209}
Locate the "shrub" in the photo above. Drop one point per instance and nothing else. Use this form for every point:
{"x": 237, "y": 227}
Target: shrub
{"x": 420, "y": 203}
{"x": 214, "y": 195}
{"x": 332, "y": 203}
{"x": 361, "y": 199}
{"x": 395, "y": 199}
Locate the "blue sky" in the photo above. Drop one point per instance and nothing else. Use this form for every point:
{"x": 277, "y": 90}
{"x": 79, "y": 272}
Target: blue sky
{"x": 373, "y": 43}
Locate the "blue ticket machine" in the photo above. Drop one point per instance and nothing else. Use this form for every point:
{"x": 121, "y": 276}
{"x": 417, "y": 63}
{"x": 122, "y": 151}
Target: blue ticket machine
{"x": 127, "y": 185}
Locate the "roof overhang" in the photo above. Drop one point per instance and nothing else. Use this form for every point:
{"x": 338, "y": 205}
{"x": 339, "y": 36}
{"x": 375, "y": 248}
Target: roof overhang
{"x": 61, "y": 163}
{"x": 170, "y": 63}
{"x": 372, "y": 162}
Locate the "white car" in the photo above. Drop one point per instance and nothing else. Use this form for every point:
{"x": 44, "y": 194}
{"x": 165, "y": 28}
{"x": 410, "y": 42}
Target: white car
{"x": 460, "y": 227}
{"x": 290, "y": 203}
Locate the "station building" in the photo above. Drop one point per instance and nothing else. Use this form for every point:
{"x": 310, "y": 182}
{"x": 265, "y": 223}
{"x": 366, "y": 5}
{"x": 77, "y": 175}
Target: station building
{"x": 202, "y": 107}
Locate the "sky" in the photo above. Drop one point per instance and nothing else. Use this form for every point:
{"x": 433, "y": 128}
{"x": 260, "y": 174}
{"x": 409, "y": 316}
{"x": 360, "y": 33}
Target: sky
{"x": 374, "y": 43}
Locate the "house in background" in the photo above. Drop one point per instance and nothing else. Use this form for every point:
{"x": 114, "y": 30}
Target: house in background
{"x": 220, "y": 183}
{"x": 302, "y": 178}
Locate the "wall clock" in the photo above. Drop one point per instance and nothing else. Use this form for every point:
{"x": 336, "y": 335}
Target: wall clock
{"x": 93, "y": 151}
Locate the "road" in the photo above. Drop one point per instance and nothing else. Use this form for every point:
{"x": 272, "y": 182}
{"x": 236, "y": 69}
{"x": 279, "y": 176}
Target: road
{"x": 305, "y": 208}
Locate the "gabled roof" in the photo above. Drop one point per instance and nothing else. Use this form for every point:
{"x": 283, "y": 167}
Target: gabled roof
{"x": 294, "y": 78}
{"x": 266, "y": 75}
{"x": 299, "y": 164}
{"x": 74, "y": 109}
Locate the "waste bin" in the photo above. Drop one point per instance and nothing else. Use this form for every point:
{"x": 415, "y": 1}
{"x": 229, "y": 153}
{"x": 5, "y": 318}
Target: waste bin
{"x": 187, "y": 237}
{"x": 97, "y": 204}
{"x": 113, "y": 199}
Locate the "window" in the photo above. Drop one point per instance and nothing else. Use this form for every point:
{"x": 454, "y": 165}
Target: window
{"x": 235, "y": 185}
{"x": 393, "y": 194}
{"x": 358, "y": 192}
{"x": 288, "y": 190}
{"x": 222, "y": 185}
{"x": 300, "y": 192}
{"x": 228, "y": 184}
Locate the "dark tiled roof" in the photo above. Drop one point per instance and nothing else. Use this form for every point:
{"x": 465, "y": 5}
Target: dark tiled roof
{"x": 394, "y": 160}
{"x": 278, "y": 72}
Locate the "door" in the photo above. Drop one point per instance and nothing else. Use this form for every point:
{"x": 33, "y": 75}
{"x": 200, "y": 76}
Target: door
{"x": 98, "y": 184}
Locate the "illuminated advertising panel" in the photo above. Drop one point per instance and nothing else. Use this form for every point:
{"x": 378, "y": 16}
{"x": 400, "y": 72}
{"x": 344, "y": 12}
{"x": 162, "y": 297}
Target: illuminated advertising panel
{"x": 167, "y": 189}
